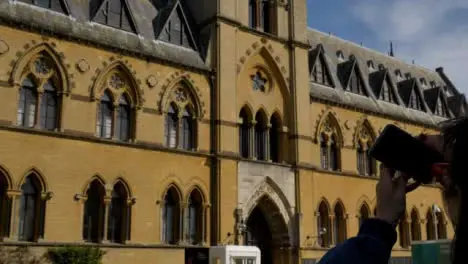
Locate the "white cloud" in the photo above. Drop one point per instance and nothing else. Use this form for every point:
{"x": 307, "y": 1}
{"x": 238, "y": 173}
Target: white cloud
{"x": 422, "y": 31}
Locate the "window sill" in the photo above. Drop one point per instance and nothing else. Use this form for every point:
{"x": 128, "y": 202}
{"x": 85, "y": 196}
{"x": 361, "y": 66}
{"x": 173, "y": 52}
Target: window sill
{"x": 280, "y": 164}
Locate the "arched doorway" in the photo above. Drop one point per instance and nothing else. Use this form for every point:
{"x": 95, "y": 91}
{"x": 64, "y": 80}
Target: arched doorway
{"x": 267, "y": 230}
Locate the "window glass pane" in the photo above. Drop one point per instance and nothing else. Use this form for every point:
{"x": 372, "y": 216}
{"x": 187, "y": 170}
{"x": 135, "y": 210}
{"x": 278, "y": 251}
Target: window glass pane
{"x": 49, "y": 110}
{"x": 28, "y": 202}
{"x": 123, "y": 122}
{"x": 21, "y": 107}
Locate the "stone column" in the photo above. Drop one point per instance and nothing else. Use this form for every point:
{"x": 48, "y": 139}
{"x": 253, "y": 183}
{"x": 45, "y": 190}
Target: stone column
{"x": 81, "y": 199}
{"x": 284, "y": 146}
{"x": 204, "y": 223}
{"x": 107, "y": 201}
{"x": 332, "y": 230}
{"x": 114, "y": 119}
{"x": 183, "y": 224}
{"x": 14, "y": 195}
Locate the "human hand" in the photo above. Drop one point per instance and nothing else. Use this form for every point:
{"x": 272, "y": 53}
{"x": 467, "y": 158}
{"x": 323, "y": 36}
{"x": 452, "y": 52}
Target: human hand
{"x": 391, "y": 195}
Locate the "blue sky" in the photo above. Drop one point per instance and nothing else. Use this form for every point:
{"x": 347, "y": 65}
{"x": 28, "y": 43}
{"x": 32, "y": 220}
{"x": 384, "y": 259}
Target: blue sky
{"x": 433, "y": 33}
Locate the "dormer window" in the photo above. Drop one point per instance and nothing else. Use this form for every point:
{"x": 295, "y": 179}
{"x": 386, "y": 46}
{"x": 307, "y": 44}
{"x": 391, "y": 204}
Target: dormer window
{"x": 408, "y": 76}
{"x": 340, "y": 55}
{"x": 381, "y": 67}
{"x": 433, "y": 84}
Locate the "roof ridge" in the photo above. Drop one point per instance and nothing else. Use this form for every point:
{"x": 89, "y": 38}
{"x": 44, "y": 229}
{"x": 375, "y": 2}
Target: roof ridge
{"x": 371, "y": 50}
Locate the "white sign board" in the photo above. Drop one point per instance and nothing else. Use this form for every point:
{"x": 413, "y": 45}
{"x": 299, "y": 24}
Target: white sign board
{"x": 234, "y": 255}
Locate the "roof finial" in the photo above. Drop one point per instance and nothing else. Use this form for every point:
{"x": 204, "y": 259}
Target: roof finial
{"x": 392, "y": 53}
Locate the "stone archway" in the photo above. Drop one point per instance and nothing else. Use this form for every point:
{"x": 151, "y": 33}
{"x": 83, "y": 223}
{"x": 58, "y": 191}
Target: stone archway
{"x": 267, "y": 229}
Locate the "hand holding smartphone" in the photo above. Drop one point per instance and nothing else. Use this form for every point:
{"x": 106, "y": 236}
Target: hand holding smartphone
{"x": 401, "y": 151}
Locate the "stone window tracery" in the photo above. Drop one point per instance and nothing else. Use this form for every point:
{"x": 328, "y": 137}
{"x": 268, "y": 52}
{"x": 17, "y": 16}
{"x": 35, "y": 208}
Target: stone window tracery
{"x": 180, "y": 121}
{"x": 116, "y": 110}
{"x": 329, "y": 146}
{"x": 107, "y": 213}
{"x": 40, "y": 97}
{"x": 365, "y": 163}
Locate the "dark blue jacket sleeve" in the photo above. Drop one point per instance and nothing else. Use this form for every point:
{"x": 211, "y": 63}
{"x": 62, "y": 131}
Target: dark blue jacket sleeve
{"x": 373, "y": 245}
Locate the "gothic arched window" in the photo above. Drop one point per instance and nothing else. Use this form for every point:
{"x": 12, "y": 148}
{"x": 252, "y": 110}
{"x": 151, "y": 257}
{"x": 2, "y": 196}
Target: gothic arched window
{"x": 180, "y": 121}
{"x": 339, "y": 224}
{"x": 171, "y": 217}
{"x": 260, "y": 136}
{"x": 430, "y": 226}
{"x": 364, "y": 213}
{"x": 31, "y": 210}
{"x": 330, "y": 146}
{"x": 39, "y": 96}
{"x": 275, "y": 141}
{"x": 94, "y": 213}
{"x": 361, "y": 159}
{"x": 415, "y": 226}
{"x": 366, "y": 164}
{"x": 119, "y": 215}
{"x": 123, "y": 122}
{"x": 195, "y": 218}
{"x": 244, "y": 133}
{"x": 323, "y": 224}
{"x": 441, "y": 226}
{"x": 105, "y": 117}
{"x": 404, "y": 232}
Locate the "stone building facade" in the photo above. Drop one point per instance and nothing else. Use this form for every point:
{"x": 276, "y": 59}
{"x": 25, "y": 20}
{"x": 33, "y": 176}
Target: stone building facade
{"x": 155, "y": 129}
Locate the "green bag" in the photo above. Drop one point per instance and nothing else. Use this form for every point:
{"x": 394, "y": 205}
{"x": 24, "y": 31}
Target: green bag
{"x": 431, "y": 252}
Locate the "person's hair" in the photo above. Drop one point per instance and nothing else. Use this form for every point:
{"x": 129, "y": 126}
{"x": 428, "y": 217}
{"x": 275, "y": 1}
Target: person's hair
{"x": 455, "y": 134}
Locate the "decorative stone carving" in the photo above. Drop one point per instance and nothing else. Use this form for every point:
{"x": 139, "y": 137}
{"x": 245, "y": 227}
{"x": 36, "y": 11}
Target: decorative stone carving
{"x": 348, "y": 124}
{"x": 327, "y": 127}
{"x": 180, "y": 95}
{"x": 42, "y": 66}
{"x": 116, "y": 82}
{"x": 4, "y": 48}
{"x": 82, "y": 66}
{"x": 152, "y": 81}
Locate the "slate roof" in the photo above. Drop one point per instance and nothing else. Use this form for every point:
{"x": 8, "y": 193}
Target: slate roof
{"x": 148, "y": 17}
{"x": 384, "y": 65}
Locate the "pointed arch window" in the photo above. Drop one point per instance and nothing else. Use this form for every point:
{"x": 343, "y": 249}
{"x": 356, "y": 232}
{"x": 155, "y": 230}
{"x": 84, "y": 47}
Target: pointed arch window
{"x": 275, "y": 141}
{"x": 365, "y": 162}
{"x": 262, "y": 15}
{"x": 172, "y": 121}
{"x": 31, "y": 210}
{"x": 323, "y": 224}
{"x": 5, "y": 207}
{"x": 415, "y": 226}
{"x": 171, "y": 217}
{"x": 195, "y": 218}
{"x": 260, "y": 136}
{"x": 329, "y": 147}
{"x": 441, "y": 226}
{"x": 430, "y": 226}
{"x": 403, "y": 229}
{"x": 123, "y": 119}
{"x": 105, "y": 116}
{"x": 386, "y": 93}
{"x": 364, "y": 213}
{"x": 39, "y": 96}
{"x": 361, "y": 159}
{"x": 118, "y": 228}
{"x": 94, "y": 213}
{"x": 339, "y": 224}
{"x": 244, "y": 133}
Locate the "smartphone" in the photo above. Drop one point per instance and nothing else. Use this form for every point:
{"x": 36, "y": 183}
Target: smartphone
{"x": 399, "y": 150}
